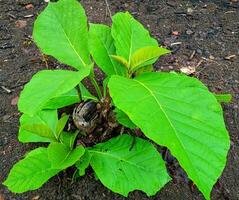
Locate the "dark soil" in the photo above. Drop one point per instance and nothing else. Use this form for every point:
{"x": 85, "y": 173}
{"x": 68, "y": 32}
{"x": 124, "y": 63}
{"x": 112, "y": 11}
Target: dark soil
{"x": 201, "y": 34}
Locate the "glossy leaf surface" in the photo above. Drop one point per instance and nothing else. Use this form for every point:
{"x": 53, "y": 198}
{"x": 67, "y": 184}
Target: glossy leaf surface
{"x": 123, "y": 164}
{"x": 46, "y": 85}
{"x": 61, "y": 31}
{"x": 102, "y": 46}
{"x": 38, "y": 128}
{"x": 31, "y": 172}
{"x": 180, "y": 113}
{"x": 129, "y": 35}
{"x": 61, "y": 156}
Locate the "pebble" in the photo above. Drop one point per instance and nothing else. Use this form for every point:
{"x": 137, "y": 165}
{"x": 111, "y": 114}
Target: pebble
{"x": 189, "y": 32}
{"x": 6, "y": 117}
{"x": 199, "y": 51}
{"x": 189, "y": 11}
{"x": 211, "y": 57}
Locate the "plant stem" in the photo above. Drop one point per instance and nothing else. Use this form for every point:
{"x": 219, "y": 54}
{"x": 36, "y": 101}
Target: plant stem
{"x": 79, "y": 92}
{"x": 96, "y": 86}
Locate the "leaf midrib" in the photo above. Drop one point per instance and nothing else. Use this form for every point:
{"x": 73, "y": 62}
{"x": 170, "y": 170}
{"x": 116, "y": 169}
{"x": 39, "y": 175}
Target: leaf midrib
{"x": 68, "y": 39}
{"x": 117, "y": 158}
{"x": 108, "y": 54}
{"x": 161, "y": 108}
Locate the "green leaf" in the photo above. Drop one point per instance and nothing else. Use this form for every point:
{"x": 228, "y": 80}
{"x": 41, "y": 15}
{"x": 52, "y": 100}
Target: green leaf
{"x": 62, "y": 156}
{"x": 180, "y": 113}
{"x": 86, "y": 94}
{"x": 83, "y": 163}
{"x": 68, "y": 138}
{"x": 123, "y": 119}
{"x": 38, "y": 128}
{"x": 69, "y": 98}
{"x": 223, "y": 98}
{"x": 63, "y": 100}
{"x": 61, "y": 31}
{"x": 147, "y": 68}
{"x": 121, "y": 60}
{"x": 31, "y": 172}
{"x": 146, "y": 56}
{"x": 46, "y": 85}
{"x": 129, "y": 35}
{"x": 101, "y": 46}
{"x": 124, "y": 165}
{"x": 105, "y": 84}
{"x": 61, "y": 125}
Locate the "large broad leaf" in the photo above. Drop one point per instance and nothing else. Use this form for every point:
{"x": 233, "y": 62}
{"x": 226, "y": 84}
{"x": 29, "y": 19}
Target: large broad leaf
{"x": 180, "y": 113}
{"x": 61, "y": 156}
{"x": 61, "y": 31}
{"x": 38, "y": 128}
{"x": 129, "y": 35}
{"x": 101, "y": 46}
{"x": 123, "y": 119}
{"x": 146, "y": 56}
{"x": 31, "y": 172}
{"x": 125, "y": 163}
{"x": 46, "y": 85}
{"x": 69, "y": 98}
{"x": 63, "y": 100}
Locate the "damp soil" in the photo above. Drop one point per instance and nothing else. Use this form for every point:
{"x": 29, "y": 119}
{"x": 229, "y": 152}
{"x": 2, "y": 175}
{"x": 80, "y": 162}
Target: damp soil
{"x": 203, "y": 36}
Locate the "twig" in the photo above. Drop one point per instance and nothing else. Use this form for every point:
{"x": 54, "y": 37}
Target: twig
{"x": 192, "y": 55}
{"x": 108, "y": 8}
{"x": 199, "y": 63}
{"x": 6, "y": 89}
{"x": 175, "y": 43}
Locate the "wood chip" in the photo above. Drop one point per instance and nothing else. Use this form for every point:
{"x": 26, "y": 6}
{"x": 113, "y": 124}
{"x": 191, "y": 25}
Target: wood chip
{"x": 14, "y": 101}
{"x": 230, "y": 57}
{"x": 29, "y": 16}
{"x": 199, "y": 63}
{"x": 20, "y": 23}
{"x": 29, "y": 6}
{"x": 176, "y": 33}
{"x": 6, "y": 89}
{"x": 1, "y": 197}
{"x": 192, "y": 55}
{"x": 36, "y": 197}
{"x": 175, "y": 43}
{"x": 188, "y": 70}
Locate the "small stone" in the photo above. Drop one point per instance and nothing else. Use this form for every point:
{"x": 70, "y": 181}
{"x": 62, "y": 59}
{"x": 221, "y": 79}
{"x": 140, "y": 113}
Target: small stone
{"x": 189, "y": 11}
{"x": 189, "y": 32}
{"x": 199, "y": 51}
{"x": 211, "y": 57}
{"x": 6, "y": 117}
{"x": 170, "y": 67}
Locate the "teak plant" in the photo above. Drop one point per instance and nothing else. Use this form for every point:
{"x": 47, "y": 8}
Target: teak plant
{"x": 171, "y": 109}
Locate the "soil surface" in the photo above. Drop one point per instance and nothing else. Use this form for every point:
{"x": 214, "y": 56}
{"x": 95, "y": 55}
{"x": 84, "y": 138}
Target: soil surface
{"x": 204, "y": 38}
